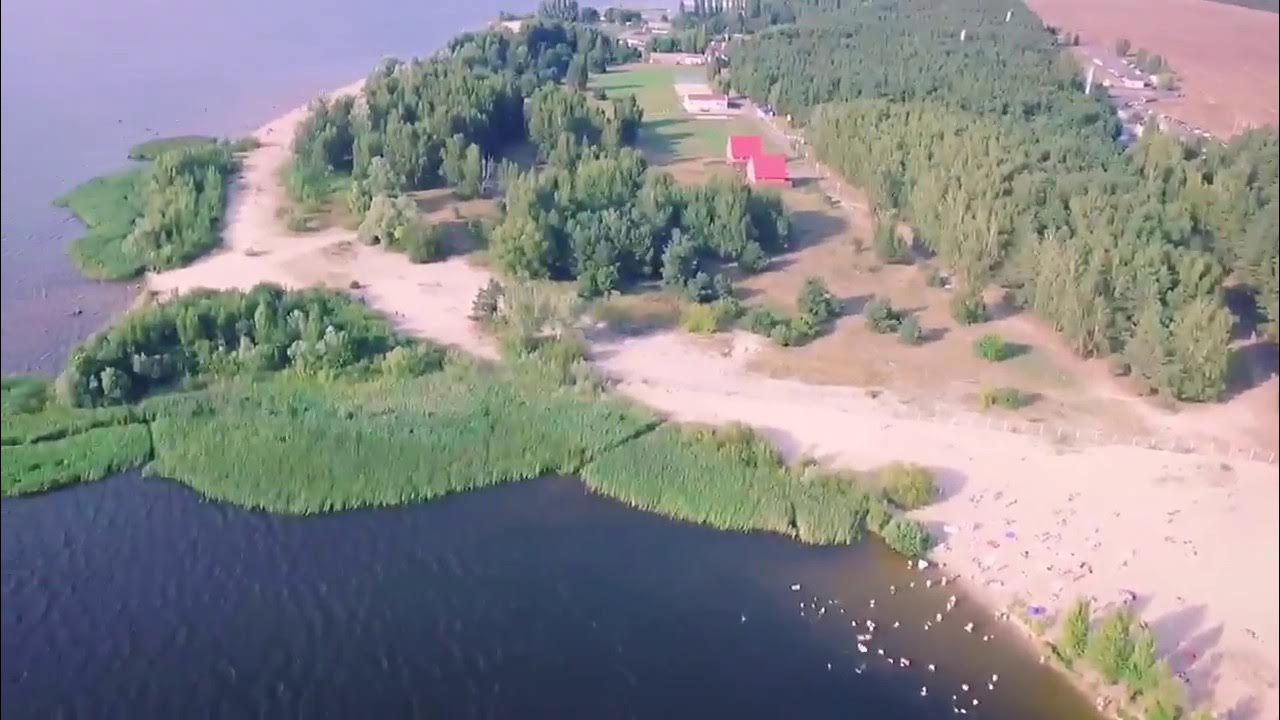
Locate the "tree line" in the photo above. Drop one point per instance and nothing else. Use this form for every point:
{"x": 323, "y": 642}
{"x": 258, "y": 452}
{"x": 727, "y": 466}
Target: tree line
{"x": 422, "y": 116}
{"x": 1009, "y": 173}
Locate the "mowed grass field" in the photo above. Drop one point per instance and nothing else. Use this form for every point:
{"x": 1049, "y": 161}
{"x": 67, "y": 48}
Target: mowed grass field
{"x": 688, "y": 147}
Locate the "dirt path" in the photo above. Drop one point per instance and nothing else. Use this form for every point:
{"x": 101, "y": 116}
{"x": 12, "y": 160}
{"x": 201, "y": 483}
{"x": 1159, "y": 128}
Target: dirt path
{"x": 1198, "y": 541}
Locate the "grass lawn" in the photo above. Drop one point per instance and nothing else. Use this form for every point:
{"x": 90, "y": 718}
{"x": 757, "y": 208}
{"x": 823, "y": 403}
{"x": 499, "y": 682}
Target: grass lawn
{"x": 107, "y": 206}
{"x": 670, "y": 136}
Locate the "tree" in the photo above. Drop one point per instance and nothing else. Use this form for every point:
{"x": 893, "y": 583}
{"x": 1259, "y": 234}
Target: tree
{"x": 968, "y": 308}
{"x": 576, "y": 77}
{"x": 488, "y": 301}
{"x": 907, "y": 537}
{"x": 563, "y": 10}
{"x": 1111, "y": 646}
{"x": 815, "y": 302}
{"x": 1122, "y": 47}
{"x": 1146, "y": 351}
{"x": 473, "y": 168}
{"x": 991, "y": 347}
{"x": 1141, "y": 673}
{"x": 1075, "y": 630}
{"x": 888, "y": 247}
{"x": 1199, "y": 354}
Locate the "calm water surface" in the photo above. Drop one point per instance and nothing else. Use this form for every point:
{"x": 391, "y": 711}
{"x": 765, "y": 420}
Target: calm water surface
{"x": 132, "y": 598}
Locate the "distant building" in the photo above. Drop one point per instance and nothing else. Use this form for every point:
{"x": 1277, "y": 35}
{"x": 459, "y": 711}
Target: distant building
{"x": 512, "y": 26}
{"x": 742, "y": 148}
{"x": 768, "y": 169}
{"x": 706, "y": 104}
{"x": 660, "y": 58}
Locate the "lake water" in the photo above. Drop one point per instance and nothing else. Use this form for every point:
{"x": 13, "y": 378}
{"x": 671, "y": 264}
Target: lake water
{"x": 132, "y": 598}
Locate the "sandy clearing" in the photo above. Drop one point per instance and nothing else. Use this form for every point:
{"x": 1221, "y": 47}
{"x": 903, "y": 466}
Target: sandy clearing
{"x": 431, "y": 300}
{"x": 1023, "y": 519}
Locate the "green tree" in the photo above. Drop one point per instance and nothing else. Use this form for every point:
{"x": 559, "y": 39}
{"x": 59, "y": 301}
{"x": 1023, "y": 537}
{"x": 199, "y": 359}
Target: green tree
{"x": 1146, "y": 352}
{"x": 1111, "y": 645}
{"x": 1122, "y": 47}
{"x": 1198, "y": 350}
{"x": 815, "y": 302}
{"x": 908, "y": 486}
{"x": 1141, "y": 674}
{"x": 1075, "y": 630}
{"x": 472, "y": 173}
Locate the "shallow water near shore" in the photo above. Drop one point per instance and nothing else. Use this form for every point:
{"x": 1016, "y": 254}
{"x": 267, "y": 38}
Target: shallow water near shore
{"x": 135, "y": 598}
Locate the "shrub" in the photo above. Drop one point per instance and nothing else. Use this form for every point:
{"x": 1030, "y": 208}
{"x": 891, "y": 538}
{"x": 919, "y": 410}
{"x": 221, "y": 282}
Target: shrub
{"x": 881, "y": 317}
{"x": 762, "y": 321}
{"x": 1005, "y": 397}
{"x": 727, "y": 311}
{"x": 909, "y": 332}
{"x": 421, "y": 242}
{"x": 968, "y": 308}
{"x": 699, "y": 319}
{"x": 816, "y": 303}
{"x": 907, "y": 537}
{"x": 908, "y": 486}
{"x": 412, "y": 360}
{"x": 934, "y": 279}
{"x": 991, "y": 347}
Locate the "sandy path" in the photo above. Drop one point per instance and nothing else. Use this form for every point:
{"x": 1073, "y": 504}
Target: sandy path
{"x": 1021, "y": 518}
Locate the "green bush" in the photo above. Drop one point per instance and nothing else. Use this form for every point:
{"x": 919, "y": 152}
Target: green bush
{"x": 968, "y": 308}
{"x": 991, "y": 347}
{"x": 881, "y": 317}
{"x": 909, "y": 332}
{"x": 762, "y": 321}
{"x": 1111, "y": 645}
{"x": 1005, "y": 397}
{"x": 934, "y": 279}
{"x": 908, "y": 486}
{"x": 907, "y": 537}
{"x": 699, "y": 318}
{"x": 727, "y": 311}
{"x": 816, "y": 303}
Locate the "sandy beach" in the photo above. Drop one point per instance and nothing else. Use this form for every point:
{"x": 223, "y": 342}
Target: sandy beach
{"x": 1195, "y": 538}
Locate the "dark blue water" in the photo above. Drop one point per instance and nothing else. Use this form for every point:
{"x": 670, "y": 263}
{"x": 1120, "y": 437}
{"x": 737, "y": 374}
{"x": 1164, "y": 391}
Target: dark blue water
{"x": 132, "y": 598}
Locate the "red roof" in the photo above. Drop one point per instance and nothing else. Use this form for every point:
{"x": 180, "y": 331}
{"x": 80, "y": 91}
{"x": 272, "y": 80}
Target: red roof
{"x": 744, "y": 147}
{"x": 766, "y": 166}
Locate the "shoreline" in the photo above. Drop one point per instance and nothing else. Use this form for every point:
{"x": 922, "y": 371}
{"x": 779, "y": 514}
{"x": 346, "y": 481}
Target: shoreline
{"x": 1192, "y": 598}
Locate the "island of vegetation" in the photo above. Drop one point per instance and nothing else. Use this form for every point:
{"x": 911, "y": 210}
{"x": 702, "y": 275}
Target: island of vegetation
{"x": 161, "y": 215}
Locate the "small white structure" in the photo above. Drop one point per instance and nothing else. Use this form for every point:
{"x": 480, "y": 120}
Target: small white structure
{"x": 706, "y": 104}
{"x": 660, "y": 58}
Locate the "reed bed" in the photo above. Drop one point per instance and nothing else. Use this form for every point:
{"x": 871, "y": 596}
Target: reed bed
{"x": 296, "y": 446}
{"x": 81, "y": 457}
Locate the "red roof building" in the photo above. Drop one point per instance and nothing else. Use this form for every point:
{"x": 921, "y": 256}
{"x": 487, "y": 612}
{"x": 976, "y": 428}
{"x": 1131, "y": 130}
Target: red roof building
{"x": 768, "y": 169}
{"x": 742, "y": 148}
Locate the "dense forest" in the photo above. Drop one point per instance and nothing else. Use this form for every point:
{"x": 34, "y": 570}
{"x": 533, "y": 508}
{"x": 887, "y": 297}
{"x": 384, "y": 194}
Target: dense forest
{"x": 1009, "y": 173}
{"x": 421, "y": 116}
{"x": 601, "y": 220}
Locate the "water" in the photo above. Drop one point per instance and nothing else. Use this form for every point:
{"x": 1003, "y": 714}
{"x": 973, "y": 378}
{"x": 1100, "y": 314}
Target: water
{"x": 132, "y": 598}
{"x": 84, "y": 80}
